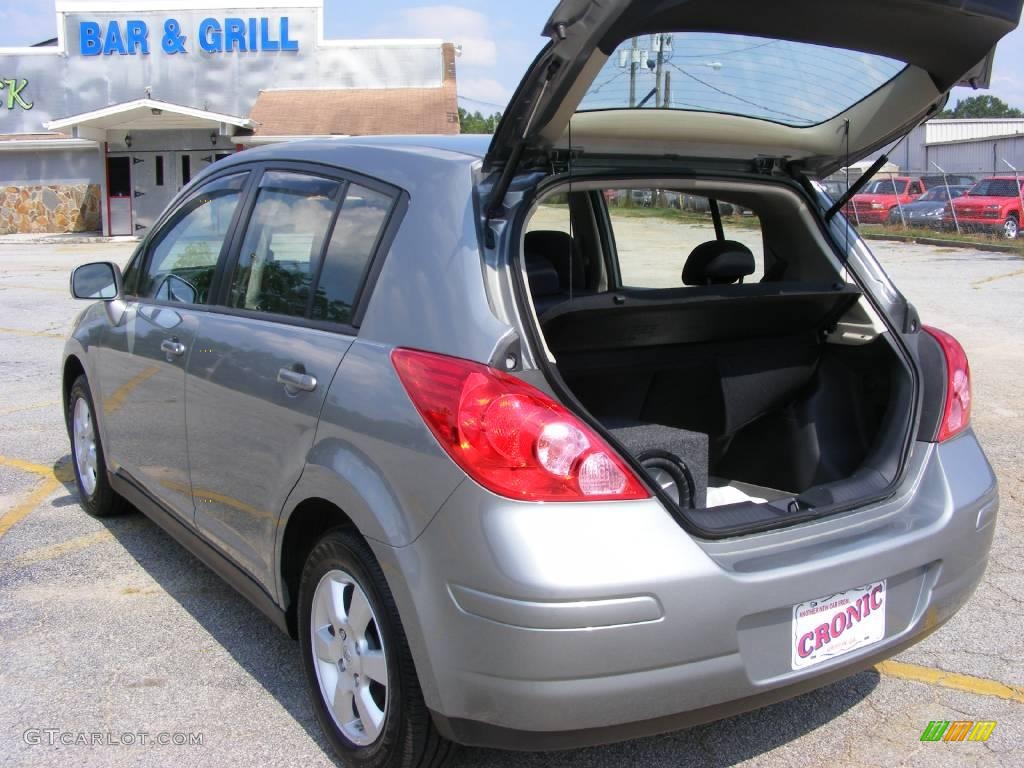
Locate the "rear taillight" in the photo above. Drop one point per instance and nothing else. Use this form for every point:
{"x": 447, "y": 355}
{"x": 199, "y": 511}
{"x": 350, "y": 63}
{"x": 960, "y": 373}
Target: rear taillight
{"x": 956, "y": 414}
{"x": 510, "y": 437}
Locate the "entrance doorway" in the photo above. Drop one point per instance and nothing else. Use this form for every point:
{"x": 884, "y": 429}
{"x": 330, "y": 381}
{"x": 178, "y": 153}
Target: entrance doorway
{"x": 119, "y": 195}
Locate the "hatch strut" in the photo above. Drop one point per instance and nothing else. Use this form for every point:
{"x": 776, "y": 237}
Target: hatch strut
{"x": 508, "y": 171}
{"x": 856, "y": 187}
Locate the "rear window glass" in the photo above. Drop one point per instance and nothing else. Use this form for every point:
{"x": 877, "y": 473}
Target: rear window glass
{"x": 995, "y": 188}
{"x": 656, "y": 230}
{"x": 797, "y": 84}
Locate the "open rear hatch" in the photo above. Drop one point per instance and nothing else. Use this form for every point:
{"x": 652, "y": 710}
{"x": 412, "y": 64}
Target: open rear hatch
{"x": 776, "y": 415}
{"x": 813, "y": 84}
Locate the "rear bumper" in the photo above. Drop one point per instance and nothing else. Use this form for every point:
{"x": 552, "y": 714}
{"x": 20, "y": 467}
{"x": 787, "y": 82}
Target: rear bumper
{"x": 540, "y": 626}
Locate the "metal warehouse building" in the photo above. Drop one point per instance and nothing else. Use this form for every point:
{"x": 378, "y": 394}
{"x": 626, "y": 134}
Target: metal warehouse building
{"x": 102, "y": 125}
{"x": 976, "y": 147}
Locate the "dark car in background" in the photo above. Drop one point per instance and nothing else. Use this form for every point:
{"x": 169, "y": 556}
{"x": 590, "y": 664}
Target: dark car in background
{"x": 928, "y": 209}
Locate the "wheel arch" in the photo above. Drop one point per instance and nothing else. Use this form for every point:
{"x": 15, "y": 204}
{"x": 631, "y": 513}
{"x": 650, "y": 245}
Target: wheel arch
{"x": 73, "y": 368}
{"x": 307, "y": 523}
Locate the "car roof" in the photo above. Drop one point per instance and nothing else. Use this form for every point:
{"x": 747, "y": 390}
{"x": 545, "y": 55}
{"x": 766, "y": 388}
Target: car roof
{"x": 398, "y": 160}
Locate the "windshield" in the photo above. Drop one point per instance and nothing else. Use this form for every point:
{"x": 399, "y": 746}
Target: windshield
{"x": 938, "y": 194}
{"x": 995, "y": 188}
{"x": 797, "y": 84}
{"x": 885, "y": 187}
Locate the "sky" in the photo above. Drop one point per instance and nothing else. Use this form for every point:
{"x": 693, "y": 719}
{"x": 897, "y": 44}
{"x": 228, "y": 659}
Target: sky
{"x": 499, "y": 39}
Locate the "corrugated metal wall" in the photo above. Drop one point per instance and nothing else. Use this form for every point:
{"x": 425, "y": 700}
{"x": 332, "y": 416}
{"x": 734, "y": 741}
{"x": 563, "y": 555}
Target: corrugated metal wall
{"x": 963, "y": 130}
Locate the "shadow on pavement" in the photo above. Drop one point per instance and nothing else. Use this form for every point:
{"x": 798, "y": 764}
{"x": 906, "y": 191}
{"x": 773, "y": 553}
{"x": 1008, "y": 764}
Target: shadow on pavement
{"x": 272, "y": 659}
{"x": 255, "y": 643}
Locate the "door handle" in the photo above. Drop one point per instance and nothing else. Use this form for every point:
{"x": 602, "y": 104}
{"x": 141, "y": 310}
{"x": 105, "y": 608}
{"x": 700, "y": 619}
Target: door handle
{"x": 294, "y": 381}
{"x": 172, "y": 348}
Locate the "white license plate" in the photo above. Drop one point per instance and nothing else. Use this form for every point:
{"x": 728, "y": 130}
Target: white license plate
{"x": 837, "y": 624}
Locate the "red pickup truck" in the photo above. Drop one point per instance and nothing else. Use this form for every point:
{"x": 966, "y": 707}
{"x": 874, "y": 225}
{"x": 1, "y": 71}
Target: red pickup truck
{"x": 879, "y": 197}
{"x": 993, "y": 204}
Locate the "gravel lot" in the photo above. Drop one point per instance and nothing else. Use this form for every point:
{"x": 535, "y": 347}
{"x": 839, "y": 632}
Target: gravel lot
{"x": 113, "y": 628}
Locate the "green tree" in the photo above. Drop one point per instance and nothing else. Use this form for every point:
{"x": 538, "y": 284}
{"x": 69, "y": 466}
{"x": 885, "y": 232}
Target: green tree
{"x": 980, "y": 106}
{"x": 474, "y": 122}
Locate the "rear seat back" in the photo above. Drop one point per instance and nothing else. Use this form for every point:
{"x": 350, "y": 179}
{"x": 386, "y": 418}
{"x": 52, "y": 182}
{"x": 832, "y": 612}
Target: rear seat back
{"x": 709, "y": 359}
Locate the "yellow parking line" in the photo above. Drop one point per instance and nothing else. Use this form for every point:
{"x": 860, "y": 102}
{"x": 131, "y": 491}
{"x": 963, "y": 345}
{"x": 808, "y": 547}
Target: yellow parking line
{"x": 939, "y": 677}
{"x": 32, "y": 407}
{"x": 26, "y": 466}
{"x": 53, "y": 478}
{"x": 22, "y": 510}
{"x": 63, "y": 548}
{"x": 36, "y": 334}
{"x": 979, "y": 283}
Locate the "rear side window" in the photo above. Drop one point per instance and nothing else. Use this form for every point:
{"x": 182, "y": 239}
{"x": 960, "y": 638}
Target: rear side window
{"x": 353, "y": 241}
{"x": 280, "y": 255}
{"x": 184, "y": 254}
{"x": 655, "y": 231}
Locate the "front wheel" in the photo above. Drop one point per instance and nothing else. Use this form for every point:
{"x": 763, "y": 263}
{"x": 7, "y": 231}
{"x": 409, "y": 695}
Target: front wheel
{"x": 359, "y": 670}
{"x": 98, "y": 498}
{"x": 1011, "y": 227}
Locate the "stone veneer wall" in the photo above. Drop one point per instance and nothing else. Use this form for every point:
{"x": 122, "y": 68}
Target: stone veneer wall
{"x": 50, "y": 208}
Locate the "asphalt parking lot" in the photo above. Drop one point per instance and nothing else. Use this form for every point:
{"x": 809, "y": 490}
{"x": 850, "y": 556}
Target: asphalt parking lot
{"x": 110, "y": 628}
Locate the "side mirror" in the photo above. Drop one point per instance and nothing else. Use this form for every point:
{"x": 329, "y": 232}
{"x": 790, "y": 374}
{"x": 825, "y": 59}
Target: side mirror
{"x": 98, "y": 280}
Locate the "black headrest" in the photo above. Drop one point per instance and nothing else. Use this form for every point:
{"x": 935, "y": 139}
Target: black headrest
{"x": 718, "y": 262}
{"x": 541, "y": 275}
{"x": 562, "y": 253}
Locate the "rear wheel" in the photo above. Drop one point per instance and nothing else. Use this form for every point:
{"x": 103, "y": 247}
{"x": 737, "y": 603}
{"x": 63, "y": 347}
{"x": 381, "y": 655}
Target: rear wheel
{"x": 359, "y": 670}
{"x": 98, "y": 498}
{"x": 1011, "y": 227}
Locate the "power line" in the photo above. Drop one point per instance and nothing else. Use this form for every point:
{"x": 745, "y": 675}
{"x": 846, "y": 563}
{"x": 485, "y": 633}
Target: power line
{"x": 734, "y": 96}
{"x": 484, "y": 103}
{"x": 723, "y": 53}
{"x": 609, "y": 81}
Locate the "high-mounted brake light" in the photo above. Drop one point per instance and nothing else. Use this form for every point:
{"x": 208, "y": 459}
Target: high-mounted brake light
{"x": 956, "y": 414}
{"x": 509, "y": 436}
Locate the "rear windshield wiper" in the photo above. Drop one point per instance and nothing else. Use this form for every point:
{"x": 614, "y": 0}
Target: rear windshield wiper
{"x": 856, "y": 187}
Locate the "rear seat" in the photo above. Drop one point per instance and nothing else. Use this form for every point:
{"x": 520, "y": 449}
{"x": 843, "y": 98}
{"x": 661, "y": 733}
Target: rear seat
{"x": 555, "y": 268}
{"x": 709, "y": 358}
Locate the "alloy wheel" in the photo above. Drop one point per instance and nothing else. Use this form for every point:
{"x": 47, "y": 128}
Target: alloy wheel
{"x": 85, "y": 446}
{"x": 349, "y": 657}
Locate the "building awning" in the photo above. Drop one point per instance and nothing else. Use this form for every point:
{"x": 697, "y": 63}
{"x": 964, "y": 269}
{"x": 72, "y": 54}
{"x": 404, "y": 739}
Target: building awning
{"x": 146, "y": 114}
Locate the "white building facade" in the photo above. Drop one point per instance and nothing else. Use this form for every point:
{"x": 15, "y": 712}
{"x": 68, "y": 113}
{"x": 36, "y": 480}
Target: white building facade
{"x": 101, "y": 126}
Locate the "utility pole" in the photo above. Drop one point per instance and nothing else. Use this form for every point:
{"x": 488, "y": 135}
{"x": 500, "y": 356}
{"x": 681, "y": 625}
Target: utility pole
{"x": 634, "y": 55}
{"x": 659, "y": 68}
{"x": 667, "y": 102}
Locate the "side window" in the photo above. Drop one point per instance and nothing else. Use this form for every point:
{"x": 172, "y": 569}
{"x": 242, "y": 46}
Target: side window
{"x": 184, "y": 254}
{"x": 915, "y": 188}
{"x": 283, "y": 242}
{"x": 356, "y": 232}
{"x": 655, "y": 231}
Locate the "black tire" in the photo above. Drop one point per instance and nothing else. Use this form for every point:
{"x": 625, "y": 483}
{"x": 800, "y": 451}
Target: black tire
{"x": 104, "y": 501}
{"x": 408, "y": 738}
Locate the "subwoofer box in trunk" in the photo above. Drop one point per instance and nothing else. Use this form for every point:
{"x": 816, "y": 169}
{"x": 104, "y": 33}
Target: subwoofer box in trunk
{"x": 668, "y": 453}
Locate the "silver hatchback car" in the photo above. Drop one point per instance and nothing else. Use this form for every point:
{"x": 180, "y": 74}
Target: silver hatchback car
{"x": 519, "y": 466}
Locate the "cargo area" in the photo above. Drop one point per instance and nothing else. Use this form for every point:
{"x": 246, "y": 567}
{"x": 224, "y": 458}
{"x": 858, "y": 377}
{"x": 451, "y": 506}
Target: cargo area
{"x": 747, "y": 401}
